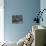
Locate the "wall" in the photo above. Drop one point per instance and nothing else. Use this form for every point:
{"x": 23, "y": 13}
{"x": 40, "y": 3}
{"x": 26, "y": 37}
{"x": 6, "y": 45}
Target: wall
{"x": 27, "y": 8}
{"x": 43, "y": 6}
{"x": 1, "y": 20}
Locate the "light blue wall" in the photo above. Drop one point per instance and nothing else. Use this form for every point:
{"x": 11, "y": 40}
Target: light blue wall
{"x": 27, "y": 8}
{"x": 43, "y": 6}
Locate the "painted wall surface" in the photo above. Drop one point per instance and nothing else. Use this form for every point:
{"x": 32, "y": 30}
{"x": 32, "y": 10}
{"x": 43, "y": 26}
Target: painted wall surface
{"x": 1, "y": 20}
{"x": 43, "y": 6}
{"x": 27, "y": 8}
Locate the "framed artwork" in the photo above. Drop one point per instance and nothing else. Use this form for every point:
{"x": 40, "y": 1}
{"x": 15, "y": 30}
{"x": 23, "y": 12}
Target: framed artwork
{"x": 17, "y": 19}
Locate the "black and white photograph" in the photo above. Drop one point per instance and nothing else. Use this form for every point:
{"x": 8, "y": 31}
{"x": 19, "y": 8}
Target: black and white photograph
{"x": 17, "y": 19}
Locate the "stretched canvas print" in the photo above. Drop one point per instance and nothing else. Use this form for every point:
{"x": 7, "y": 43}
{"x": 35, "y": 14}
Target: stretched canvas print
{"x": 17, "y": 19}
